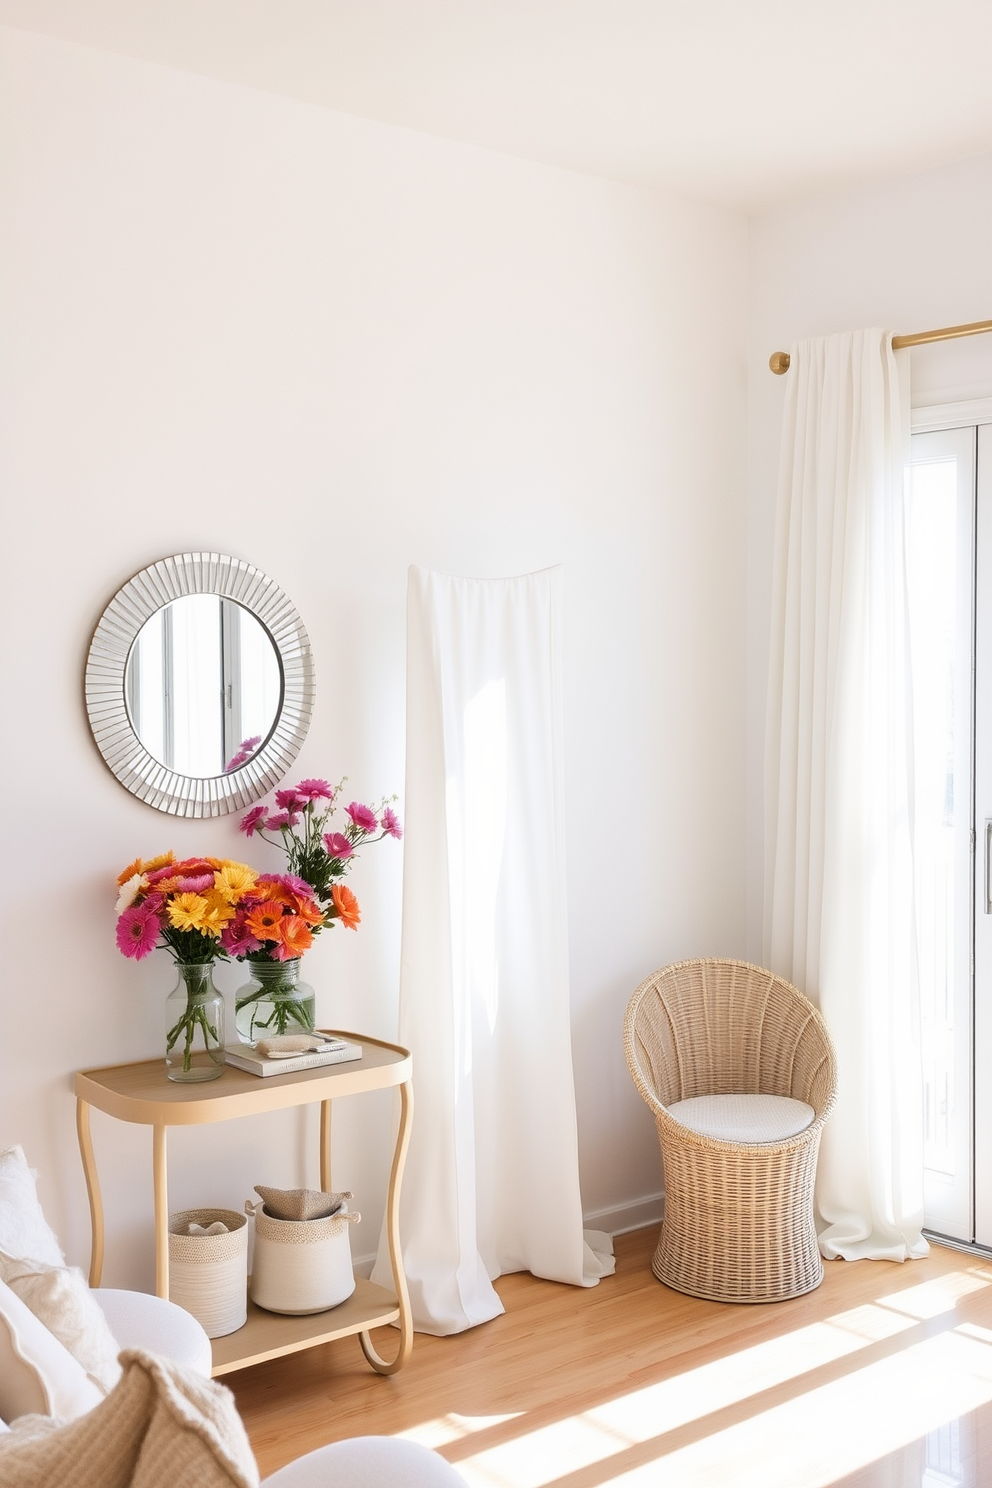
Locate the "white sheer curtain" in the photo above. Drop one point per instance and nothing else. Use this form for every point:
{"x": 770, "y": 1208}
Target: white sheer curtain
{"x": 839, "y": 874}
{"x": 491, "y": 1183}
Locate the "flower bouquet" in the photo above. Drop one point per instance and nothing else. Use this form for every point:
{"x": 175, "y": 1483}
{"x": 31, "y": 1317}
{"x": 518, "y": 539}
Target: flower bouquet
{"x": 187, "y": 906}
{"x": 270, "y": 931}
{"x": 318, "y": 860}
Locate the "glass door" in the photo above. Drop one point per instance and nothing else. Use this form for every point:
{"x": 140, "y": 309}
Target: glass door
{"x": 949, "y": 556}
{"x": 983, "y": 843}
{"x": 940, "y": 549}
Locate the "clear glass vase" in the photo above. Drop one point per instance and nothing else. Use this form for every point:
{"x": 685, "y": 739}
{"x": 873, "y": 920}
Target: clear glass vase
{"x": 274, "y": 1001}
{"x": 194, "y": 1025}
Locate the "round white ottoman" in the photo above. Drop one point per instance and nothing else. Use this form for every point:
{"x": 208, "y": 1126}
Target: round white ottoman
{"x": 138, "y": 1320}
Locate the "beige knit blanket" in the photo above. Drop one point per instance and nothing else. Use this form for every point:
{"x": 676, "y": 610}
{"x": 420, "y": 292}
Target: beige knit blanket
{"x": 162, "y": 1426}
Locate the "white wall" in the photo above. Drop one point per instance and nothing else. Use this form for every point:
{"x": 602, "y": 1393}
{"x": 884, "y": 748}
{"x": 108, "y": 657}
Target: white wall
{"x": 909, "y": 254}
{"x": 334, "y": 348}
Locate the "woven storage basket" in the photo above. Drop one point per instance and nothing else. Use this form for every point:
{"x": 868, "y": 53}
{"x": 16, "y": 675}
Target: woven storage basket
{"x": 302, "y": 1265}
{"x": 208, "y": 1274}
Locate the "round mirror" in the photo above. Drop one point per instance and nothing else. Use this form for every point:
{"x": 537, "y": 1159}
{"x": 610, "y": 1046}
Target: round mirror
{"x": 199, "y": 684}
{"x": 203, "y": 685}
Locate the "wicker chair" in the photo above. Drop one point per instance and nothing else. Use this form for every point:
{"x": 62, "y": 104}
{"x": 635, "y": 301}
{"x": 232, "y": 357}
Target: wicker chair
{"x": 738, "y": 1221}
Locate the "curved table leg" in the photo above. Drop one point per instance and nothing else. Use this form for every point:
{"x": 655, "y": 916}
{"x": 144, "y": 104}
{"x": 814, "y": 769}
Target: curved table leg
{"x": 160, "y": 1185}
{"x": 325, "y": 1146}
{"x": 92, "y": 1191}
{"x": 379, "y": 1364}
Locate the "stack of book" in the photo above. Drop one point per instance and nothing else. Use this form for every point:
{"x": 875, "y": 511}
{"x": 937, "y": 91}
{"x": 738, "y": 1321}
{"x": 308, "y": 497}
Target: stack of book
{"x": 332, "y": 1051}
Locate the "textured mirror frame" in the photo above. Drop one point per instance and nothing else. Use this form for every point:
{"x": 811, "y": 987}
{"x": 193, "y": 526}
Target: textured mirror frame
{"x": 140, "y": 598}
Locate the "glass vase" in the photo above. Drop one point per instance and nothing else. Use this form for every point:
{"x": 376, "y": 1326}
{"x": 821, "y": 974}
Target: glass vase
{"x": 274, "y": 1001}
{"x": 194, "y": 1024}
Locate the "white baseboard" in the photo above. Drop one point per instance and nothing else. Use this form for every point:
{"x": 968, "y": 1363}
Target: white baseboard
{"x": 621, "y": 1218}
{"x": 617, "y": 1220}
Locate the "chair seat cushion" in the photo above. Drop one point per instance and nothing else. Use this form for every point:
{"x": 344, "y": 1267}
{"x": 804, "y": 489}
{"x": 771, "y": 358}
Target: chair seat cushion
{"x": 754, "y": 1119}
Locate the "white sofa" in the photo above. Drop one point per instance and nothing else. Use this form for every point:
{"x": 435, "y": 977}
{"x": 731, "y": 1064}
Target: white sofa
{"x": 44, "y": 1377}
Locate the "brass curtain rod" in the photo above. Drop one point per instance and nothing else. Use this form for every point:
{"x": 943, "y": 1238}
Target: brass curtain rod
{"x": 779, "y": 360}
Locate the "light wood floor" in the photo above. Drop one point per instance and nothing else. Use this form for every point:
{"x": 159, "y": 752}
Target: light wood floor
{"x": 882, "y": 1378}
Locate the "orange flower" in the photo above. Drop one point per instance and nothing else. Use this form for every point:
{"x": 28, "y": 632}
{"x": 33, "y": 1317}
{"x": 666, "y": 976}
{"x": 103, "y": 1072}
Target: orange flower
{"x": 294, "y": 935}
{"x": 309, "y": 911}
{"x": 262, "y": 920}
{"x": 167, "y": 886}
{"x": 139, "y": 867}
{"x": 189, "y": 867}
{"x": 278, "y": 893}
{"x": 348, "y": 911}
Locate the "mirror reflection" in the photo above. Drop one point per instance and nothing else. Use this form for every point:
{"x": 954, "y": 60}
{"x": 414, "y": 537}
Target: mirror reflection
{"x": 203, "y": 685}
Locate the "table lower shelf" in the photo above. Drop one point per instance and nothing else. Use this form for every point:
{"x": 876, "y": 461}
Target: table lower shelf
{"x": 267, "y": 1335}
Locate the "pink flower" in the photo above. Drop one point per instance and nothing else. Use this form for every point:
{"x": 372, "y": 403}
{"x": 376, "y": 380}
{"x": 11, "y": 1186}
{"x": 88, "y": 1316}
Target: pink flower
{"x": 255, "y": 820}
{"x": 289, "y": 800}
{"x": 291, "y": 882}
{"x": 283, "y": 819}
{"x": 236, "y": 939}
{"x": 337, "y": 845}
{"x": 391, "y": 824}
{"x": 315, "y": 790}
{"x": 199, "y": 883}
{"x": 137, "y": 932}
{"x": 246, "y": 749}
{"x": 362, "y": 816}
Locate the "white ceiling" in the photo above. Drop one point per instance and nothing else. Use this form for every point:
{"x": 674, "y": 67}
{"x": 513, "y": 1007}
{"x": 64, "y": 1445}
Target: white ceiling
{"x": 741, "y": 102}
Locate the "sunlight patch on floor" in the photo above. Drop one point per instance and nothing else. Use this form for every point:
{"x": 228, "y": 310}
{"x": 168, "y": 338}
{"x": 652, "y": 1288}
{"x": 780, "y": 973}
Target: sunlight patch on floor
{"x": 828, "y": 1433}
{"x": 452, "y": 1427}
{"x": 932, "y": 1298}
{"x": 881, "y": 1406}
{"x": 530, "y": 1460}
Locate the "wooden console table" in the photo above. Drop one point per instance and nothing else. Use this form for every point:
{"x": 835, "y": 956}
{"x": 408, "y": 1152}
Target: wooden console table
{"x": 143, "y": 1094}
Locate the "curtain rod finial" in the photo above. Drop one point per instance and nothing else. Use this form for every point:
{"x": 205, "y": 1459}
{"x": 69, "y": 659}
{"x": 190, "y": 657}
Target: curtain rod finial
{"x": 779, "y": 362}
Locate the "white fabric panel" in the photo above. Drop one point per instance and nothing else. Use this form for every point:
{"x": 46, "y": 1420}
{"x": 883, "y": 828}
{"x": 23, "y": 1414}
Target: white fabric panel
{"x": 839, "y": 897}
{"x": 491, "y": 1183}
{"x": 743, "y": 1118}
{"x": 138, "y": 1320}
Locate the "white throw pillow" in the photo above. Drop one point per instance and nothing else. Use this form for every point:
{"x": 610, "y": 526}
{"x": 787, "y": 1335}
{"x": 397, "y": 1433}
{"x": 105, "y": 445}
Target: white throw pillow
{"x": 38, "y": 1376}
{"x": 59, "y": 1297}
{"x": 24, "y": 1231}
{"x": 753, "y": 1119}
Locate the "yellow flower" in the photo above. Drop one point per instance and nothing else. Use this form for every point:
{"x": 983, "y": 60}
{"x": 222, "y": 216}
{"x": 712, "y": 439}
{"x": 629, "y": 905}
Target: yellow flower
{"x": 216, "y": 914}
{"x": 234, "y": 879}
{"x": 187, "y": 911}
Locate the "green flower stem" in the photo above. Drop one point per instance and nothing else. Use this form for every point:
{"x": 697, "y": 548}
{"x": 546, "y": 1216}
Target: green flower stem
{"x": 193, "y": 1017}
{"x": 284, "y": 1011}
